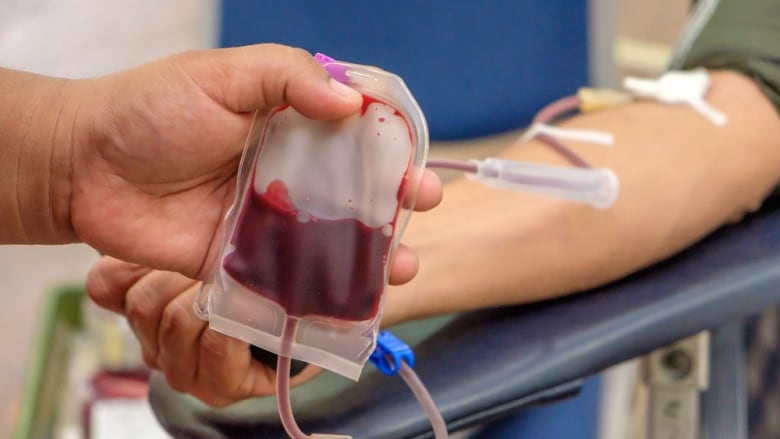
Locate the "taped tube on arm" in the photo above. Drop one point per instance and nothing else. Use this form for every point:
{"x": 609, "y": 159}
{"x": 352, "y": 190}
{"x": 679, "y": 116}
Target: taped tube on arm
{"x": 738, "y": 35}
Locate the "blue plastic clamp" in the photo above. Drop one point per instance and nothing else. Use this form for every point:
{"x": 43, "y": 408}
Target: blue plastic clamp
{"x": 389, "y": 353}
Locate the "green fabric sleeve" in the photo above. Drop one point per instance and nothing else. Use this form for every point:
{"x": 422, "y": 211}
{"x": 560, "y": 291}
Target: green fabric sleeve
{"x": 739, "y": 35}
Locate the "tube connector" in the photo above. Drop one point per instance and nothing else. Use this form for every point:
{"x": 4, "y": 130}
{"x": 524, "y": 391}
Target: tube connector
{"x": 594, "y": 99}
{"x": 390, "y": 352}
{"x": 598, "y": 187}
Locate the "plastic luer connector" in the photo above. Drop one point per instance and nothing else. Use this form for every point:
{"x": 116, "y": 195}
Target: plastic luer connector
{"x": 597, "y": 187}
{"x": 390, "y": 352}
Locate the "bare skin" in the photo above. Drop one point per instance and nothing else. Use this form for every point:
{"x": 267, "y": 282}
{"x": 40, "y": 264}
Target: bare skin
{"x": 141, "y": 166}
{"x": 680, "y": 177}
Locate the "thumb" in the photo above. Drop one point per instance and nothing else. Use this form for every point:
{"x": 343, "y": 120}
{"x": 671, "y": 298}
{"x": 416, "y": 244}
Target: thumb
{"x": 262, "y": 76}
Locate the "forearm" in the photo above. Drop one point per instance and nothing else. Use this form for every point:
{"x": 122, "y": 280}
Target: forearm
{"x": 680, "y": 177}
{"x": 36, "y": 121}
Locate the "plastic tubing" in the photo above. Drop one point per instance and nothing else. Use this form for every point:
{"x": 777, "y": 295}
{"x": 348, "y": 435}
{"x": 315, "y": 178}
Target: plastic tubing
{"x": 425, "y": 400}
{"x": 283, "y": 402}
{"x": 563, "y": 150}
{"x": 455, "y": 165}
{"x": 553, "y": 111}
{"x": 557, "y": 108}
{"x": 546, "y": 115}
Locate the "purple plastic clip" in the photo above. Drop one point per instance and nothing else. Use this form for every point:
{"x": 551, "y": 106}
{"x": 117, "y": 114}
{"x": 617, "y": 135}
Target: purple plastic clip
{"x": 338, "y": 72}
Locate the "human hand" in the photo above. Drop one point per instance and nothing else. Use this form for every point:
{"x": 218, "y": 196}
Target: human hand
{"x": 156, "y": 148}
{"x": 195, "y": 359}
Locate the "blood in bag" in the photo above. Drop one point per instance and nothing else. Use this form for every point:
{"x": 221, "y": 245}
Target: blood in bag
{"x": 331, "y": 267}
{"x": 319, "y": 211}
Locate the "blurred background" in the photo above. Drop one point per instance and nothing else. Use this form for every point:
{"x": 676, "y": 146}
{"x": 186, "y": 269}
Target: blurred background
{"x": 82, "y": 38}
{"x": 74, "y": 38}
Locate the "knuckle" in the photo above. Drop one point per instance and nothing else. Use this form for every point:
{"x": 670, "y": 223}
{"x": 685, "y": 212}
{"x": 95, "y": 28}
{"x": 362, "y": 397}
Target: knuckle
{"x": 150, "y": 360}
{"x": 188, "y": 56}
{"x": 178, "y": 382}
{"x": 299, "y": 52}
{"x": 243, "y": 390}
{"x": 139, "y": 306}
{"x": 97, "y": 290}
{"x": 213, "y": 400}
{"x": 276, "y": 47}
{"x": 213, "y": 345}
{"x": 285, "y": 50}
{"x": 173, "y": 319}
{"x": 98, "y": 295}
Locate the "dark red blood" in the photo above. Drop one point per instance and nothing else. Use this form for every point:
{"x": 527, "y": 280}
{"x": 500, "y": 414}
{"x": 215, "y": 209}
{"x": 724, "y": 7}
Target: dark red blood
{"x": 331, "y": 268}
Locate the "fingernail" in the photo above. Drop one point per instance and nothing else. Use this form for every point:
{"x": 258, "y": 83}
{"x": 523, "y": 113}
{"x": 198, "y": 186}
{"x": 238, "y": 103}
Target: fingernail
{"x": 343, "y": 89}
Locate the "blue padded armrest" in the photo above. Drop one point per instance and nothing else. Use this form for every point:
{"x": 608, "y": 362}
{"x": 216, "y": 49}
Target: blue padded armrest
{"x": 484, "y": 365}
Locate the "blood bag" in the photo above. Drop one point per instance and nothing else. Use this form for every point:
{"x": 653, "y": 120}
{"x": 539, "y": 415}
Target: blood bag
{"x": 319, "y": 210}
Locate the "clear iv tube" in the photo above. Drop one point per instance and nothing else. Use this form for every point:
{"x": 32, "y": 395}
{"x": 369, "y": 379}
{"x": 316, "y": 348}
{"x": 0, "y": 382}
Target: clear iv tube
{"x": 553, "y": 111}
{"x": 545, "y": 116}
{"x": 283, "y": 382}
{"x": 563, "y": 150}
{"x": 557, "y": 108}
{"x": 284, "y": 403}
{"x": 425, "y": 400}
{"x": 456, "y": 165}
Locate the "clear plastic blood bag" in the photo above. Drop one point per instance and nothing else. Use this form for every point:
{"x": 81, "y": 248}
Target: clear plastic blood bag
{"x": 319, "y": 211}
